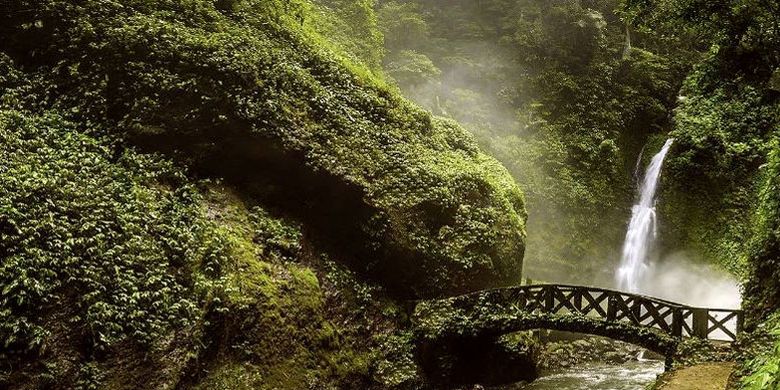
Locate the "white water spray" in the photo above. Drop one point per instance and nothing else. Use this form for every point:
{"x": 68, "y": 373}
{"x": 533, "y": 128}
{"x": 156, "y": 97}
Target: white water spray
{"x": 642, "y": 228}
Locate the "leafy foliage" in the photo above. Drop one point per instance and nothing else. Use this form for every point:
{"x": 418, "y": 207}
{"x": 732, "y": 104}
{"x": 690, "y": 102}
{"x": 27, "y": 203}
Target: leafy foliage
{"x": 764, "y": 370}
{"x": 97, "y": 235}
{"x": 229, "y": 85}
{"x": 724, "y": 188}
{"x": 352, "y": 25}
{"x": 551, "y": 90}
{"x": 120, "y": 268}
{"x": 726, "y": 116}
{"x": 762, "y": 289}
{"x": 117, "y": 249}
{"x": 413, "y": 69}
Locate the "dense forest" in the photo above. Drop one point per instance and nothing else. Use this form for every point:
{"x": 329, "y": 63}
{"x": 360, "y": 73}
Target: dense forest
{"x": 267, "y": 194}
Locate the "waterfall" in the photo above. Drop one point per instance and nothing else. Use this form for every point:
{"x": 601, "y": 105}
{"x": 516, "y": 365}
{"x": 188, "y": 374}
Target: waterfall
{"x": 642, "y": 228}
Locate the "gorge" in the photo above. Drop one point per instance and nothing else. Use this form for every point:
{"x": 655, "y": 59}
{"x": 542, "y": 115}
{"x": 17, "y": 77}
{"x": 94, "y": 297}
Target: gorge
{"x": 354, "y": 194}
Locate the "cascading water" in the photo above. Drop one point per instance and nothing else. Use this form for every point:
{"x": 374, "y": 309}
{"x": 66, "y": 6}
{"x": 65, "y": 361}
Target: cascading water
{"x": 642, "y": 228}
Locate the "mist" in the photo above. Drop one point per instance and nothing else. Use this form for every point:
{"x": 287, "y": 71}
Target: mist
{"x": 491, "y": 81}
{"x": 681, "y": 279}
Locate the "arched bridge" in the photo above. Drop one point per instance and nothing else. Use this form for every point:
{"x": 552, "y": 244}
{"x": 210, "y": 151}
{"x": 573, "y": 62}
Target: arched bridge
{"x": 653, "y": 323}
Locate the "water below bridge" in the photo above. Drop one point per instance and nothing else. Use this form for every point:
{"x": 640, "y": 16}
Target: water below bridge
{"x": 635, "y": 375}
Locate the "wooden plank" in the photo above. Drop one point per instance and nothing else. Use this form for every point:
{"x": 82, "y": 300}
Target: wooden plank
{"x": 687, "y": 328}
{"x": 648, "y": 314}
{"x": 594, "y": 303}
{"x": 625, "y": 304}
{"x": 565, "y": 301}
{"x": 535, "y": 299}
{"x": 521, "y": 297}
{"x": 720, "y": 324}
{"x": 577, "y": 302}
{"x": 740, "y": 322}
{"x": 658, "y": 316}
{"x": 636, "y": 310}
{"x": 620, "y": 306}
{"x": 666, "y": 317}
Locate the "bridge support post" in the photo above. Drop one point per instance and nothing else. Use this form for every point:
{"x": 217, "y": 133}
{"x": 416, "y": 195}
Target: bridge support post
{"x": 636, "y": 311}
{"x": 611, "y": 308}
{"x": 677, "y": 320}
{"x": 740, "y": 323}
{"x": 549, "y": 298}
{"x": 700, "y": 323}
{"x": 577, "y": 298}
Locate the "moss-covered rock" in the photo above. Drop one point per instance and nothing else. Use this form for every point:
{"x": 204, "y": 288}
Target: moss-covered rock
{"x": 118, "y": 118}
{"x": 711, "y": 176}
{"x": 249, "y": 88}
{"x": 725, "y": 119}
{"x": 120, "y": 273}
{"x": 107, "y": 259}
{"x": 762, "y": 289}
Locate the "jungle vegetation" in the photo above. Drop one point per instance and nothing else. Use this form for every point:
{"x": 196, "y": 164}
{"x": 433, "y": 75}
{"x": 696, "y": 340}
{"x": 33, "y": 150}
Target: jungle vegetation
{"x": 248, "y": 193}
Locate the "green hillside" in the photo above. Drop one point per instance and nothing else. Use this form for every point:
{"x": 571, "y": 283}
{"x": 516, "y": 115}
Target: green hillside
{"x": 193, "y": 190}
{"x": 258, "y": 194}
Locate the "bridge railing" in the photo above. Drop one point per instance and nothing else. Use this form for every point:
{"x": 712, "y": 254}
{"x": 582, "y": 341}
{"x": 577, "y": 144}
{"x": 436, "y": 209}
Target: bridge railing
{"x": 615, "y": 306}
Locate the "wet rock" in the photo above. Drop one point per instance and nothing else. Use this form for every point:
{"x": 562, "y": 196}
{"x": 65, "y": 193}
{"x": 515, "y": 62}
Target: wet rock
{"x": 568, "y": 352}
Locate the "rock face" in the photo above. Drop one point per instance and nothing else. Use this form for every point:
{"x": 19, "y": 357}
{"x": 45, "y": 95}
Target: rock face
{"x": 486, "y": 360}
{"x": 763, "y": 286}
{"x": 240, "y": 93}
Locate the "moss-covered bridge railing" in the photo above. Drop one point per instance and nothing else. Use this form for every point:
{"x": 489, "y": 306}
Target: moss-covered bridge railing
{"x": 653, "y": 323}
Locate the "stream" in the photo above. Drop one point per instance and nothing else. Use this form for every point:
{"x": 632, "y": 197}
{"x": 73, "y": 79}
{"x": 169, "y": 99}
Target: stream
{"x": 635, "y": 375}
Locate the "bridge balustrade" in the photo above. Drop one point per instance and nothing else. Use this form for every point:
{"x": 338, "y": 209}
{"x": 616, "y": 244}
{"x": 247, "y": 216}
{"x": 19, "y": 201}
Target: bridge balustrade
{"x": 614, "y": 306}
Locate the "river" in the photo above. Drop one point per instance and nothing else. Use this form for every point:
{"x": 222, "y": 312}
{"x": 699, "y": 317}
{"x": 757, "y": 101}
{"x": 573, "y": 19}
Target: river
{"x": 635, "y": 375}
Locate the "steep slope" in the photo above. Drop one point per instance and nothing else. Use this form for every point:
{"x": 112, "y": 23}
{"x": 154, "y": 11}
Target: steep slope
{"x": 119, "y": 271}
{"x": 762, "y": 287}
{"x": 727, "y": 114}
{"x": 551, "y": 89}
{"x": 209, "y": 194}
{"x": 237, "y": 87}
{"x": 722, "y": 194}
{"x": 762, "y": 290}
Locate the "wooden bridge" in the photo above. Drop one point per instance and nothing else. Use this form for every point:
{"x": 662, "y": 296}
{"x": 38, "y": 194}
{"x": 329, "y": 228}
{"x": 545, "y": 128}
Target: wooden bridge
{"x": 454, "y": 335}
{"x": 654, "y": 323}
{"x": 675, "y": 319}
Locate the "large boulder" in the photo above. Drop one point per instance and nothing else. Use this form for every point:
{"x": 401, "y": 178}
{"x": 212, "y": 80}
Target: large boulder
{"x": 239, "y": 90}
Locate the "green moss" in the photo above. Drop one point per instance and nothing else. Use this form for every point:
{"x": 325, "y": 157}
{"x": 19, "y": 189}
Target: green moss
{"x": 711, "y": 173}
{"x": 352, "y": 26}
{"x": 74, "y": 221}
{"x": 151, "y": 277}
{"x": 762, "y": 288}
{"x": 104, "y": 254}
{"x": 226, "y": 85}
{"x": 274, "y": 326}
{"x": 155, "y": 272}
{"x": 518, "y": 343}
{"x": 763, "y": 369}
{"x": 397, "y": 366}
{"x": 238, "y": 376}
